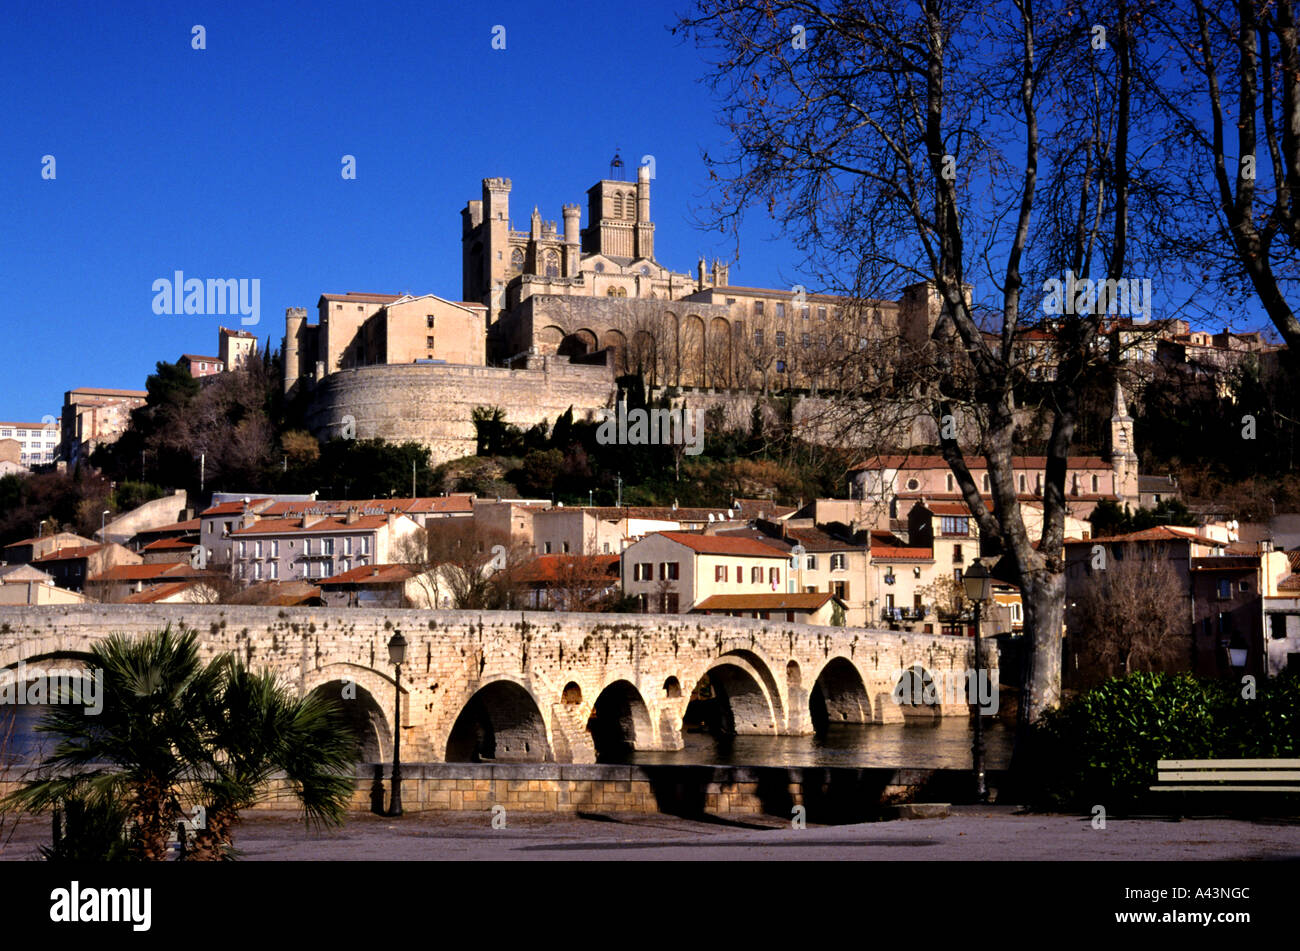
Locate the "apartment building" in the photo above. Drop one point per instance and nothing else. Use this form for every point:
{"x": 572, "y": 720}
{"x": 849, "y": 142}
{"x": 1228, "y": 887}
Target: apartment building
{"x": 38, "y": 442}
{"x": 200, "y": 366}
{"x": 94, "y": 417}
{"x": 672, "y": 572}
{"x": 313, "y": 547}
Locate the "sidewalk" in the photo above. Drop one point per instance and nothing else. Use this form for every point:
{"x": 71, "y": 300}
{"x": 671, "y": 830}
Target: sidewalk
{"x": 974, "y": 833}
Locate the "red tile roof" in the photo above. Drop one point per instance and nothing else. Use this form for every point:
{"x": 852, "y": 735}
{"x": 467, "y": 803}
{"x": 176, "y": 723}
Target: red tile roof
{"x": 889, "y": 547}
{"x": 170, "y": 544}
{"x": 156, "y": 592}
{"x": 370, "y": 574}
{"x": 1160, "y": 533}
{"x": 63, "y": 554}
{"x": 119, "y": 573}
{"x": 322, "y": 523}
{"x": 794, "y": 601}
{"x": 362, "y": 298}
{"x": 233, "y": 508}
{"x": 722, "y": 545}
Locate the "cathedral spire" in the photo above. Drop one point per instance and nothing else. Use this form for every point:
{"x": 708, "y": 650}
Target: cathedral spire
{"x": 1121, "y": 410}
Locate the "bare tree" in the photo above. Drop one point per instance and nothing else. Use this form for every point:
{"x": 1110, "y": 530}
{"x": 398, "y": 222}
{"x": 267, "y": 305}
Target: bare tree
{"x": 462, "y": 562}
{"x": 1252, "y": 199}
{"x": 1134, "y": 615}
{"x": 902, "y": 144}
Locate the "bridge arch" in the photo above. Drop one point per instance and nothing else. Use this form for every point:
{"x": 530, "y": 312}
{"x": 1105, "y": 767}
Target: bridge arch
{"x": 916, "y": 693}
{"x": 365, "y": 696}
{"x": 619, "y": 722}
{"x": 742, "y": 697}
{"x": 30, "y": 688}
{"x": 501, "y": 721}
{"x": 839, "y": 695}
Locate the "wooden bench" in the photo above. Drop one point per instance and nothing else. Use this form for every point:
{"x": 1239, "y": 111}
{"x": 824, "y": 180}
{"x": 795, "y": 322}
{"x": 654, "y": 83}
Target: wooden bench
{"x": 1228, "y": 775}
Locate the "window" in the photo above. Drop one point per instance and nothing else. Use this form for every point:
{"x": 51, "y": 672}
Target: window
{"x": 774, "y": 576}
{"x": 546, "y": 548}
{"x": 811, "y": 563}
{"x": 780, "y": 308}
{"x": 605, "y": 549}
{"x": 780, "y": 338}
{"x": 758, "y": 308}
{"x": 1243, "y": 586}
{"x": 780, "y": 366}
{"x": 956, "y": 575}
{"x": 731, "y": 300}
{"x": 949, "y": 480}
{"x": 719, "y": 572}
{"x": 274, "y": 570}
{"x": 365, "y": 544}
{"x": 954, "y": 525}
{"x": 565, "y": 546}
{"x": 553, "y": 264}
{"x": 257, "y": 548}
{"x": 21, "y": 434}
{"x": 838, "y": 562}
{"x": 803, "y": 312}
{"x": 740, "y": 574}
{"x": 327, "y": 546}
{"x": 985, "y": 481}
{"x": 1022, "y": 482}
{"x": 275, "y": 548}
{"x": 913, "y": 485}
{"x": 428, "y": 342}
{"x": 756, "y": 575}
{"x": 1094, "y": 485}
{"x": 668, "y": 570}
{"x": 345, "y": 565}
{"x": 257, "y": 571}
{"x": 840, "y": 589}
{"x": 1225, "y": 588}
{"x": 758, "y": 338}
{"x": 306, "y": 547}
{"x": 821, "y": 313}
{"x": 600, "y": 267}
{"x": 670, "y": 603}
{"x": 430, "y": 320}
{"x": 956, "y": 555}
{"x": 347, "y": 545}
{"x": 243, "y": 549}
{"x": 805, "y": 339}
{"x": 643, "y": 571}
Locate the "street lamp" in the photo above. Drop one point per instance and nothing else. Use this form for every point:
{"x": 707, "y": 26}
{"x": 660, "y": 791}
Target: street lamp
{"x": 979, "y": 589}
{"x": 103, "y": 523}
{"x": 396, "y": 656}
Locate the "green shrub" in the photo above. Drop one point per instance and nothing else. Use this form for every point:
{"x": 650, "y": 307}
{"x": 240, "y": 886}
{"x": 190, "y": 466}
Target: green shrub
{"x": 1102, "y": 747}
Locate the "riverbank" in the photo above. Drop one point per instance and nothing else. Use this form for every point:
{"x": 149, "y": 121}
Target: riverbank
{"x": 970, "y": 833}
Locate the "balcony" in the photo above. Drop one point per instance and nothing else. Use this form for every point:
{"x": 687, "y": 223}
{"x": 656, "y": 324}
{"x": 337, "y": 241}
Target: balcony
{"x": 904, "y": 615}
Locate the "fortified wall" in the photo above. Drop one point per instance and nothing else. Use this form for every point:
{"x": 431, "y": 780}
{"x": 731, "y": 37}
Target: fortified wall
{"x": 431, "y": 404}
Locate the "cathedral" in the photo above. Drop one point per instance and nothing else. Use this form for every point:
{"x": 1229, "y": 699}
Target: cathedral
{"x": 595, "y": 293}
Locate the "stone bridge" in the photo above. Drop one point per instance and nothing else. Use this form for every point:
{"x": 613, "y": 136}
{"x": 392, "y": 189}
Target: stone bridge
{"x": 537, "y": 686}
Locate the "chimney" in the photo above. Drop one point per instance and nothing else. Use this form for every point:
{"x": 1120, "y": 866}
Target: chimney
{"x": 374, "y": 572}
{"x": 352, "y": 516}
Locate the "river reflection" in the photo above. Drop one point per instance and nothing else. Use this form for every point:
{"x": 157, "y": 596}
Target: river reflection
{"x": 941, "y": 743}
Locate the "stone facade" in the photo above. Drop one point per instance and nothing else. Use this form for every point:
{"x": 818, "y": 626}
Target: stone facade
{"x": 432, "y": 404}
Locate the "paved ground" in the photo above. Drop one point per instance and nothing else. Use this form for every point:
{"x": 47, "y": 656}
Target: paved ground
{"x": 972, "y": 833}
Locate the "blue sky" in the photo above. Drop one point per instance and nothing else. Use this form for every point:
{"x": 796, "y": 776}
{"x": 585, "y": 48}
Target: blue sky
{"x": 225, "y": 162}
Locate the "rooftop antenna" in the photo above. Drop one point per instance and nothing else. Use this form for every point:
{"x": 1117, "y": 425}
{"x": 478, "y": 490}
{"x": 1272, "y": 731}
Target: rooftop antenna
{"x": 616, "y": 163}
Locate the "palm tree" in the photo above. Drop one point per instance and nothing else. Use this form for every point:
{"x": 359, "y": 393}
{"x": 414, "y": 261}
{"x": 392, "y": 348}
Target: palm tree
{"x": 257, "y": 728}
{"x": 175, "y": 731}
{"x": 137, "y": 751}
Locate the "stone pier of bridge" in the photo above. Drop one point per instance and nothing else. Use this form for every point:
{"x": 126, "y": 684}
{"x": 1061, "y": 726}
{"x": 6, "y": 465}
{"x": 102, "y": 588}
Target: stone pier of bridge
{"x": 483, "y": 686}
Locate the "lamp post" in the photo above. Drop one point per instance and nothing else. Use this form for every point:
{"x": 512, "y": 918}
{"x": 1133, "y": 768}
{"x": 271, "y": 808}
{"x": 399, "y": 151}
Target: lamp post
{"x": 103, "y": 525}
{"x": 396, "y": 655}
{"x": 979, "y": 589}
